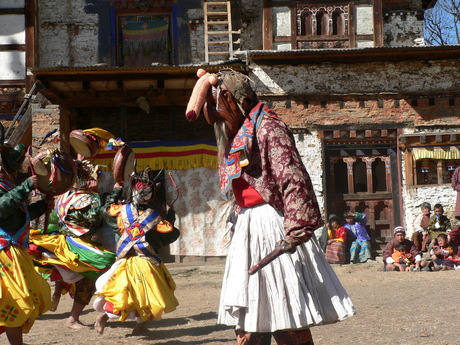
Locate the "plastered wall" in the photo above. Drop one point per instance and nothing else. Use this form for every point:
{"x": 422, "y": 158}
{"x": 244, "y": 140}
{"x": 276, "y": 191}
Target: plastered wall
{"x": 68, "y": 35}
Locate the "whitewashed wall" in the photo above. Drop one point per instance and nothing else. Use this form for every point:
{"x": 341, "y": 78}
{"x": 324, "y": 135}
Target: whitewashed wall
{"x": 310, "y": 149}
{"x": 367, "y": 78}
{"x": 68, "y": 36}
{"x": 401, "y": 29}
{"x": 12, "y": 31}
{"x": 414, "y": 196}
{"x": 196, "y": 27}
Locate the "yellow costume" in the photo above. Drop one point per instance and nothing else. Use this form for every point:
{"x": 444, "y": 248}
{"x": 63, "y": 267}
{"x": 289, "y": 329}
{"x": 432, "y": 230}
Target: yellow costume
{"x": 138, "y": 284}
{"x": 24, "y": 294}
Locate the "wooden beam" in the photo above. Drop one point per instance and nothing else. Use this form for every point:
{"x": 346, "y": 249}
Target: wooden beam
{"x": 30, "y": 16}
{"x": 378, "y": 23}
{"x": 352, "y": 25}
{"x": 293, "y": 27}
{"x": 12, "y": 47}
{"x": 13, "y": 10}
{"x": 439, "y": 170}
{"x": 267, "y": 25}
{"x": 114, "y": 101}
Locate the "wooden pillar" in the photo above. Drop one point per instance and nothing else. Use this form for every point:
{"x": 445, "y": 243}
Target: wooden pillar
{"x": 352, "y": 26}
{"x": 378, "y": 23}
{"x": 30, "y": 17}
{"x": 293, "y": 27}
{"x": 65, "y": 127}
{"x": 371, "y": 215}
{"x": 388, "y": 174}
{"x": 370, "y": 182}
{"x": 267, "y": 25}
{"x": 440, "y": 168}
{"x": 351, "y": 184}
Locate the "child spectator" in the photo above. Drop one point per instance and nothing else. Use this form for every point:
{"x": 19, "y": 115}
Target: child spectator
{"x": 400, "y": 238}
{"x": 454, "y": 261}
{"x": 439, "y": 224}
{"x": 403, "y": 259}
{"x": 421, "y": 237}
{"x": 336, "y": 241}
{"x": 442, "y": 253}
{"x": 360, "y": 250}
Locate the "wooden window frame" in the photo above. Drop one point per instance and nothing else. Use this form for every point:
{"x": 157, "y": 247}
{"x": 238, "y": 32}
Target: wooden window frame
{"x": 295, "y": 39}
{"x": 411, "y": 172}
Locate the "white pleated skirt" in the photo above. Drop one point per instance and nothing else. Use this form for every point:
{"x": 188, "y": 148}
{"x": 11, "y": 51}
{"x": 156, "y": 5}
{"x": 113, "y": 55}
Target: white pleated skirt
{"x": 294, "y": 291}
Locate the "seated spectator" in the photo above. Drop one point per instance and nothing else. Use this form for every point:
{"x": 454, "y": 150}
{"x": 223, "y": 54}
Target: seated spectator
{"x": 400, "y": 238}
{"x": 439, "y": 224}
{"x": 360, "y": 248}
{"x": 402, "y": 258}
{"x": 420, "y": 237}
{"x": 454, "y": 261}
{"x": 441, "y": 254}
{"x": 336, "y": 241}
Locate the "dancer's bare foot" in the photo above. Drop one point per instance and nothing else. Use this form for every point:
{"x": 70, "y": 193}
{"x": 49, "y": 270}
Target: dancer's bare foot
{"x": 139, "y": 329}
{"x": 75, "y": 324}
{"x": 101, "y": 321}
{"x": 55, "y": 301}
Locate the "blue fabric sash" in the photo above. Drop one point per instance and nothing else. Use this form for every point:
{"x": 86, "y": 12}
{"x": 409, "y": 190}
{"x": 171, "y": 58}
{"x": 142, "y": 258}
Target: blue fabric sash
{"x": 134, "y": 234}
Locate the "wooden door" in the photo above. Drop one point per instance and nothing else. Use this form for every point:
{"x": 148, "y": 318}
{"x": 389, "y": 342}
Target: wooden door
{"x": 365, "y": 182}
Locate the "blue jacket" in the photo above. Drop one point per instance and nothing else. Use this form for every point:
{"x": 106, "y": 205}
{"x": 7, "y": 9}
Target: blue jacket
{"x": 358, "y": 230}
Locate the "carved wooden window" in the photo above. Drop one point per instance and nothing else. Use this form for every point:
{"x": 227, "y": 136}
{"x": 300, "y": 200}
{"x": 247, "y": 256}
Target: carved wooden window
{"x": 432, "y": 171}
{"x": 379, "y": 171}
{"x": 359, "y": 176}
{"x": 430, "y": 158}
{"x": 306, "y": 23}
{"x": 338, "y": 22}
{"x": 367, "y": 174}
{"x": 325, "y": 24}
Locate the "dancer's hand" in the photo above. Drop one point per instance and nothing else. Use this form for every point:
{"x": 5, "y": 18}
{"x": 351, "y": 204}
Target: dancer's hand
{"x": 34, "y": 180}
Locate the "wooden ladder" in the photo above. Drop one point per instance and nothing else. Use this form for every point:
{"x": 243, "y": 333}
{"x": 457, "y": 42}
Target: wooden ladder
{"x": 218, "y": 34}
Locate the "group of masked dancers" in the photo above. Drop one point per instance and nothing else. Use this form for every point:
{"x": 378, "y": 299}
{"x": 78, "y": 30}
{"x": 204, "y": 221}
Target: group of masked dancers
{"x": 274, "y": 197}
{"x": 129, "y": 279}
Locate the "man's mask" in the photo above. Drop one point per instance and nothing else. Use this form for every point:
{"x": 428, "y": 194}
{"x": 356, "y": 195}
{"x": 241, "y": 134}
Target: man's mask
{"x": 142, "y": 196}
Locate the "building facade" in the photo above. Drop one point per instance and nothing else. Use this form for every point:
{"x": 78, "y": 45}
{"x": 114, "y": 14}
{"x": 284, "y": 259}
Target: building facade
{"x": 374, "y": 111}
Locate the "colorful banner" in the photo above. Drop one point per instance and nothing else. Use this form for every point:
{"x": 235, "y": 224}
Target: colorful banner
{"x": 145, "y": 41}
{"x": 170, "y": 155}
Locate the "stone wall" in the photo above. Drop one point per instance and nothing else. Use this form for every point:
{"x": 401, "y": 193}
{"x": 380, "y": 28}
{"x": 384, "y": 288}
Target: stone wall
{"x": 68, "y": 36}
{"x": 402, "y": 28}
{"x": 414, "y": 196}
{"x": 366, "y": 78}
{"x": 364, "y": 113}
{"x": 251, "y": 25}
{"x": 363, "y": 94}
{"x": 196, "y": 27}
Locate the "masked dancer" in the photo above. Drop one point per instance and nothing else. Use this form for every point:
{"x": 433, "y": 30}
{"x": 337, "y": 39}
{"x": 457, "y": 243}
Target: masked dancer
{"x": 78, "y": 261}
{"x": 259, "y": 163}
{"x": 24, "y": 294}
{"x": 138, "y": 285}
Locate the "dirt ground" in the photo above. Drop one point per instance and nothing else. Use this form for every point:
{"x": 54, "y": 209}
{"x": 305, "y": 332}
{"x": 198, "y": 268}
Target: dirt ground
{"x": 392, "y": 308}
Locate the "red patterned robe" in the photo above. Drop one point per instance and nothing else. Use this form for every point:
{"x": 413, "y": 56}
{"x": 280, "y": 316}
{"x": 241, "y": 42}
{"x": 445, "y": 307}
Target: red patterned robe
{"x": 294, "y": 291}
{"x": 264, "y": 154}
